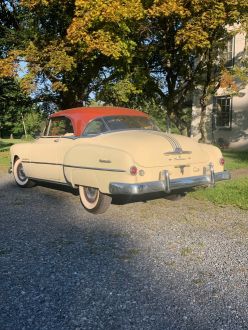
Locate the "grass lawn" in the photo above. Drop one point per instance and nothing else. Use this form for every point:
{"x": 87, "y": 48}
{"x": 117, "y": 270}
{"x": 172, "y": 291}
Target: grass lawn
{"x": 5, "y": 144}
{"x": 4, "y": 158}
{"x": 236, "y": 159}
{"x": 234, "y": 192}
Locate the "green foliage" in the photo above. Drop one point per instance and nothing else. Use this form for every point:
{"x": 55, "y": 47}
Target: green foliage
{"x": 32, "y": 120}
{"x": 120, "y": 92}
{"x": 126, "y": 52}
{"x": 13, "y": 103}
{"x": 158, "y": 114}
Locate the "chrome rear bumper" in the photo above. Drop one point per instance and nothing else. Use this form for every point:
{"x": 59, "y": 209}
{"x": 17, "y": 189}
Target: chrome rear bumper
{"x": 167, "y": 185}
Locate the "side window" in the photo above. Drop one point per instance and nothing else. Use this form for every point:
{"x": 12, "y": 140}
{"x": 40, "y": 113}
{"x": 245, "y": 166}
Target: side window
{"x": 59, "y": 126}
{"x": 95, "y": 127}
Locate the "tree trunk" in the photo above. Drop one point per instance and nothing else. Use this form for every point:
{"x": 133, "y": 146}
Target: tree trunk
{"x": 202, "y": 125}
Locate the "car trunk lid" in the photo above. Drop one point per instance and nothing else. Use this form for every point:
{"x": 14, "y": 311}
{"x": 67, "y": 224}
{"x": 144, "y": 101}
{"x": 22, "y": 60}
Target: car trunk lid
{"x": 156, "y": 149}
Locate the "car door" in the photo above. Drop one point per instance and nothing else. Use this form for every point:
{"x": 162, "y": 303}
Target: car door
{"x": 46, "y": 156}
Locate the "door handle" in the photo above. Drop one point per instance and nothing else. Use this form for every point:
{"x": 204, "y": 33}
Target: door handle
{"x": 56, "y": 140}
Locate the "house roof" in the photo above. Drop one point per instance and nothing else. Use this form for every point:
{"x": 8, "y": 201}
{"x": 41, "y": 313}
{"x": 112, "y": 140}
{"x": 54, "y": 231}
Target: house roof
{"x": 81, "y": 116}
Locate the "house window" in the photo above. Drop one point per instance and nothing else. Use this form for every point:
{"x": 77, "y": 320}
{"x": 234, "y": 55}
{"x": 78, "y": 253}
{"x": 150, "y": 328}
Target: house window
{"x": 246, "y": 45}
{"x": 228, "y": 54}
{"x": 223, "y": 111}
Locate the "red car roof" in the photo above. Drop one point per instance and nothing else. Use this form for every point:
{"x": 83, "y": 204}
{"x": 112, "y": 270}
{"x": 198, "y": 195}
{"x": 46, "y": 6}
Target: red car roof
{"x": 81, "y": 116}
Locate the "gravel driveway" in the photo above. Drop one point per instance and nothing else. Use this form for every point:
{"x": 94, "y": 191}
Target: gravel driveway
{"x": 154, "y": 265}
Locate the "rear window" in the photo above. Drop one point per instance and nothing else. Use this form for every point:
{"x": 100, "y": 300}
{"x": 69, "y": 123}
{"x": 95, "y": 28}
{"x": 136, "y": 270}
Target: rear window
{"x": 95, "y": 127}
{"x": 117, "y": 123}
{"x": 129, "y": 122}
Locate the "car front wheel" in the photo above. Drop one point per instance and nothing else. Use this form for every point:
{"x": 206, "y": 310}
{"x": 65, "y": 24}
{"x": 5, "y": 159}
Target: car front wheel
{"x": 20, "y": 177}
{"x": 93, "y": 200}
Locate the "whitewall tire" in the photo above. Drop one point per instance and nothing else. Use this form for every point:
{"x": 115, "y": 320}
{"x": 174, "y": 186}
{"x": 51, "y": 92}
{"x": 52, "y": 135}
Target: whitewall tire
{"x": 20, "y": 177}
{"x": 93, "y": 200}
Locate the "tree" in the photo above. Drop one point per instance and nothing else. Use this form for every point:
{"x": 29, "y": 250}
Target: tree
{"x": 126, "y": 52}
{"x": 193, "y": 33}
{"x": 33, "y": 122}
{"x": 13, "y": 103}
{"x": 176, "y": 47}
{"x": 58, "y": 56}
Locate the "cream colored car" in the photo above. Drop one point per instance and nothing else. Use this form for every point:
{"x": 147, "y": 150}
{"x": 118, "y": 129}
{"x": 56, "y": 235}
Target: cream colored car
{"x": 108, "y": 151}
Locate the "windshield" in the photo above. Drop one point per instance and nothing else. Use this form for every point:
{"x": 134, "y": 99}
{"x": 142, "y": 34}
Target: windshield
{"x": 129, "y": 122}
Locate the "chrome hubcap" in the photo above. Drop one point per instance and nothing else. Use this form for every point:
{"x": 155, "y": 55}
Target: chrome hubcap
{"x": 20, "y": 173}
{"x": 91, "y": 194}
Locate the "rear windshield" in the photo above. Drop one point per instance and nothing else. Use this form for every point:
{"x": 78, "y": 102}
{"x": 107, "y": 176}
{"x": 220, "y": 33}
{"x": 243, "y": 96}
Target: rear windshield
{"x": 118, "y": 123}
{"x": 129, "y": 122}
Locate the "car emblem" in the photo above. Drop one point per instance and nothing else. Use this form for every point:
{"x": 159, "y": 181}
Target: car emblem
{"x": 178, "y": 151}
{"x": 182, "y": 167}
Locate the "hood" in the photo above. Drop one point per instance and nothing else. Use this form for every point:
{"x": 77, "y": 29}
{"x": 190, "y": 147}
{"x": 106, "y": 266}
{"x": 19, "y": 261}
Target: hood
{"x": 152, "y": 148}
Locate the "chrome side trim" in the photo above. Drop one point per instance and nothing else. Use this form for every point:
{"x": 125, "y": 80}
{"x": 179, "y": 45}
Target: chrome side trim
{"x": 166, "y": 185}
{"x": 173, "y": 142}
{"x": 74, "y": 137}
{"x": 42, "y": 163}
{"x": 81, "y": 167}
{"x": 96, "y": 168}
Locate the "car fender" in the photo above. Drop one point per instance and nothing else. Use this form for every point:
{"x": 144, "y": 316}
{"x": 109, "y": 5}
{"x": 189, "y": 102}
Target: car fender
{"x": 96, "y": 166}
{"x": 21, "y": 151}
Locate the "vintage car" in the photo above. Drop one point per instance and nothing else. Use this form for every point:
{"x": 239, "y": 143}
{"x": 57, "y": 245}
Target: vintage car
{"x": 107, "y": 151}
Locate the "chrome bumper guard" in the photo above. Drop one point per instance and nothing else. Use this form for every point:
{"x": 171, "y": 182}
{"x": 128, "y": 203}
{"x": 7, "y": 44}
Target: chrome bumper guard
{"x": 168, "y": 185}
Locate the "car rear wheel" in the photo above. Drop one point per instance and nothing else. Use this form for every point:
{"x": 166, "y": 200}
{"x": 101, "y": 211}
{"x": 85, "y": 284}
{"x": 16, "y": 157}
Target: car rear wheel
{"x": 93, "y": 200}
{"x": 20, "y": 177}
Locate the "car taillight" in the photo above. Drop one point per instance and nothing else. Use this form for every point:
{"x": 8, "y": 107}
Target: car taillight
{"x": 222, "y": 161}
{"x": 133, "y": 170}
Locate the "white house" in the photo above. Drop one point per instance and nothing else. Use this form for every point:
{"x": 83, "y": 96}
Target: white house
{"x": 227, "y": 115}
